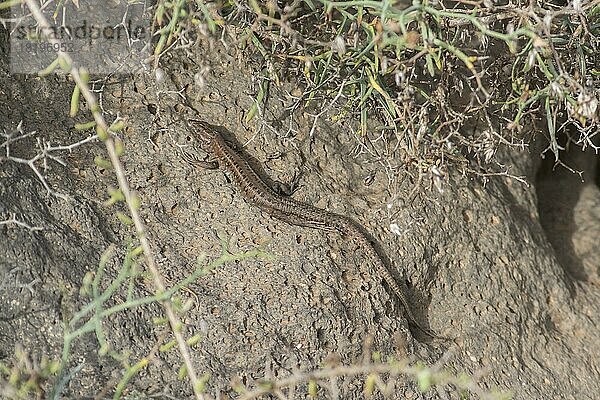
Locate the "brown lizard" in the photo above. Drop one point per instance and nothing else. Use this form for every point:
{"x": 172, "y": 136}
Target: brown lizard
{"x": 259, "y": 193}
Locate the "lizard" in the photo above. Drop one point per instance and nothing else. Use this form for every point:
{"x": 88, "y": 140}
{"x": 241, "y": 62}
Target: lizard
{"x": 258, "y": 192}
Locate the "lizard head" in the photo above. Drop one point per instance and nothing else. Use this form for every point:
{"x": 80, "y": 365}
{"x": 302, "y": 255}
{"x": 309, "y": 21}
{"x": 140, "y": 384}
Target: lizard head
{"x": 202, "y": 135}
{"x": 203, "y": 131}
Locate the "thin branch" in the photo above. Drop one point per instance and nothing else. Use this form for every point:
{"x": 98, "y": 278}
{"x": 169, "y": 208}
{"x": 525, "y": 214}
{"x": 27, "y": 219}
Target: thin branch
{"x": 435, "y": 375}
{"x": 130, "y": 198}
{"x": 17, "y": 284}
{"x": 13, "y": 220}
{"x": 45, "y": 152}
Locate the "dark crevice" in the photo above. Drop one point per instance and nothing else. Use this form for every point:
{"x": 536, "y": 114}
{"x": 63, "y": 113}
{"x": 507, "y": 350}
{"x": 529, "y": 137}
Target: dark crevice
{"x": 559, "y": 186}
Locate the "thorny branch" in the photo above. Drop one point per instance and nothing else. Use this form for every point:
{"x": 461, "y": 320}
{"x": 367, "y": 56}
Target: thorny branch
{"x": 4, "y": 282}
{"x": 130, "y": 198}
{"x": 45, "y": 152}
{"x": 383, "y": 376}
{"x": 13, "y": 220}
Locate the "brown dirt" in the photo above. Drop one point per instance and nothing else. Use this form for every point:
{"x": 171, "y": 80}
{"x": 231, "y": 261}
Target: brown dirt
{"x": 477, "y": 259}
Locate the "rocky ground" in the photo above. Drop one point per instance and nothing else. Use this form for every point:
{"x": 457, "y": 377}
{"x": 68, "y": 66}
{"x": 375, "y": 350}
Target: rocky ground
{"x": 510, "y": 270}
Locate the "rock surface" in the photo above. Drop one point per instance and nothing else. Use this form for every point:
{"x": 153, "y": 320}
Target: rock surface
{"x": 479, "y": 264}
